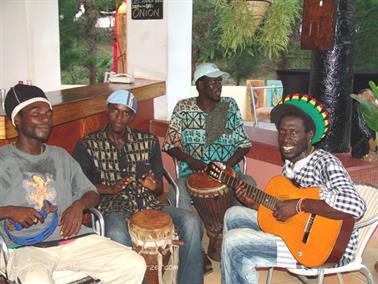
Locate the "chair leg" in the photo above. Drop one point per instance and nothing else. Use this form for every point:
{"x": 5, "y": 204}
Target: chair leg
{"x": 302, "y": 278}
{"x": 269, "y": 275}
{"x": 365, "y": 271}
{"x": 340, "y": 278}
{"x": 321, "y": 276}
{"x": 4, "y": 280}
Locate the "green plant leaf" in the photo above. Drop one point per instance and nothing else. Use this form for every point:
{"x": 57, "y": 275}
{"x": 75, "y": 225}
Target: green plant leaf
{"x": 369, "y": 111}
{"x": 235, "y": 23}
{"x": 374, "y": 88}
{"x": 273, "y": 37}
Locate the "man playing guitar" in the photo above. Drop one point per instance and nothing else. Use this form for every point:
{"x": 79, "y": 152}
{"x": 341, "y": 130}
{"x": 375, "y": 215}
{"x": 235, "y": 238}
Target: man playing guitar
{"x": 301, "y": 122}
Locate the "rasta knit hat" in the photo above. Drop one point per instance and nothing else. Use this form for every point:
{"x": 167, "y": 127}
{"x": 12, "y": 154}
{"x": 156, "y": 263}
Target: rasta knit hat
{"x": 307, "y": 107}
{"x": 20, "y": 96}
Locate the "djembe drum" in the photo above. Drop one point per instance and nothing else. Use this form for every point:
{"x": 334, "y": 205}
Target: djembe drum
{"x": 211, "y": 199}
{"x": 153, "y": 236}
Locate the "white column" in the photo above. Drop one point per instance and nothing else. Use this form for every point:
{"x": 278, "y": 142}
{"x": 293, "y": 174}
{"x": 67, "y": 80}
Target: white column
{"x": 179, "y": 51}
{"x": 29, "y": 48}
{"x": 147, "y": 46}
{"x": 161, "y": 49}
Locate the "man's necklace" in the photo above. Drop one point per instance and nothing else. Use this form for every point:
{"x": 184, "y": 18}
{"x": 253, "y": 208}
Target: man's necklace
{"x": 312, "y": 150}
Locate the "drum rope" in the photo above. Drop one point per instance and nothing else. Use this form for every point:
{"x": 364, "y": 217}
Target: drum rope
{"x": 157, "y": 247}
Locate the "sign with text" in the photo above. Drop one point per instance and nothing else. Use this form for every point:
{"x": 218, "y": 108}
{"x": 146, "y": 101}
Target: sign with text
{"x": 146, "y": 9}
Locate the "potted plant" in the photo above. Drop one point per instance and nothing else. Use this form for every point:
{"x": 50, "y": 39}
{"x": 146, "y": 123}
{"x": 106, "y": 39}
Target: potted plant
{"x": 267, "y": 24}
{"x": 368, "y": 106}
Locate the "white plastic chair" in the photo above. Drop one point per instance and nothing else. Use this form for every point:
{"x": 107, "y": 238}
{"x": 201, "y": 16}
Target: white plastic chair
{"x": 366, "y": 227}
{"x": 261, "y": 110}
{"x": 173, "y": 183}
{"x": 64, "y": 277}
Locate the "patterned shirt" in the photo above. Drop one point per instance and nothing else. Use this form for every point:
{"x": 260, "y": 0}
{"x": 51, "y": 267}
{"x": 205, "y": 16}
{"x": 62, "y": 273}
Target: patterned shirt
{"x": 104, "y": 164}
{"x": 324, "y": 170}
{"x": 189, "y": 131}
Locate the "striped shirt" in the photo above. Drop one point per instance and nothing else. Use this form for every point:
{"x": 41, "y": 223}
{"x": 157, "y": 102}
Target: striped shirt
{"x": 103, "y": 163}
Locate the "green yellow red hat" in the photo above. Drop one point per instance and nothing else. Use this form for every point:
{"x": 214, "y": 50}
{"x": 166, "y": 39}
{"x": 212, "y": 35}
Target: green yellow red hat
{"x": 307, "y": 107}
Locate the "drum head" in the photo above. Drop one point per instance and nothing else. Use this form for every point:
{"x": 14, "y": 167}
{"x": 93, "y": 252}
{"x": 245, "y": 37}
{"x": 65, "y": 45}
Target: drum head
{"x": 201, "y": 184}
{"x": 151, "y": 219}
{"x": 203, "y": 181}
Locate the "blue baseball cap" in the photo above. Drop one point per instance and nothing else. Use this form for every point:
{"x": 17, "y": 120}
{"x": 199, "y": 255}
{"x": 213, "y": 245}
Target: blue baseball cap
{"x": 210, "y": 70}
{"x": 123, "y": 97}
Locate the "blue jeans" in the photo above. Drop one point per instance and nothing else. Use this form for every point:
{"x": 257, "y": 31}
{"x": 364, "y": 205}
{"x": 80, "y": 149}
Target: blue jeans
{"x": 189, "y": 227}
{"x": 185, "y": 199}
{"x": 245, "y": 247}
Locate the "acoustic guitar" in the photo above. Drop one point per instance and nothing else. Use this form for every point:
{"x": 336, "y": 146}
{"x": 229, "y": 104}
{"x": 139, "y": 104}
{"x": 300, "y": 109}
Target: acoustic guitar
{"x": 312, "y": 239}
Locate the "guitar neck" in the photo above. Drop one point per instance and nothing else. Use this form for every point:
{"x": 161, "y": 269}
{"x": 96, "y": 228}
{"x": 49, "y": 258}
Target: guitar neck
{"x": 256, "y": 194}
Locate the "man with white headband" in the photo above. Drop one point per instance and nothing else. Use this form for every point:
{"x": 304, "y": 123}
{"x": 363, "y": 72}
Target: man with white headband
{"x": 43, "y": 193}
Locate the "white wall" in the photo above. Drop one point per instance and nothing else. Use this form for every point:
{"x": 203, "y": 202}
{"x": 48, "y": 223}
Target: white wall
{"x": 147, "y": 46}
{"x": 2, "y": 45}
{"x": 29, "y": 43}
{"x": 157, "y": 49}
{"x": 161, "y": 49}
{"x": 179, "y": 53}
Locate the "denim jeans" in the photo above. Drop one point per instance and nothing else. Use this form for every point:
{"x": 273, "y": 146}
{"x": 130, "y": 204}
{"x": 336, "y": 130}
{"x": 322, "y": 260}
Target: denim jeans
{"x": 185, "y": 199}
{"x": 245, "y": 247}
{"x": 189, "y": 227}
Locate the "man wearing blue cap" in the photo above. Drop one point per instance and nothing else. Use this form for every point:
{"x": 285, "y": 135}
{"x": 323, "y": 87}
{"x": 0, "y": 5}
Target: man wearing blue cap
{"x": 126, "y": 167}
{"x": 43, "y": 193}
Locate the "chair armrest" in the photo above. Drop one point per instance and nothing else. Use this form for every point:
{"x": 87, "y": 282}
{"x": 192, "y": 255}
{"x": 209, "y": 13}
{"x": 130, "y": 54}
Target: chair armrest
{"x": 365, "y": 223}
{"x": 98, "y": 223}
{"x": 244, "y": 165}
{"x": 173, "y": 183}
{"x": 4, "y": 252}
{"x": 176, "y": 164}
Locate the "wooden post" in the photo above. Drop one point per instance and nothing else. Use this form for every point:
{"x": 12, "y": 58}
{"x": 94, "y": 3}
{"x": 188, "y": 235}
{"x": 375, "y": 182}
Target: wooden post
{"x": 331, "y": 78}
{"x": 318, "y": 24}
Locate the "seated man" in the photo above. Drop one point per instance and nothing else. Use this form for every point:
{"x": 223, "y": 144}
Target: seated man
{"x": 300, "y": 124}
{"x": 126, "y": 167}
{"x": 43, "y": 194}
{"x": 204, "y": 129}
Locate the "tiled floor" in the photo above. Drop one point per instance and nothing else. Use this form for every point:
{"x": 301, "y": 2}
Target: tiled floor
{"x": 283, "y": 277}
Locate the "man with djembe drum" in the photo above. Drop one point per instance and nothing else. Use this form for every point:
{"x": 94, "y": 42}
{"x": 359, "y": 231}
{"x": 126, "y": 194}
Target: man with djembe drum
{"x": 126, "y": 167}
{"x": 204, "y": 129}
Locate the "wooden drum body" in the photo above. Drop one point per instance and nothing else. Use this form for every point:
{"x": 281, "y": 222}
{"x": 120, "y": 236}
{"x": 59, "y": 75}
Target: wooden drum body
{"x": 152, "y": 234}
{"x": 211, "y": 199}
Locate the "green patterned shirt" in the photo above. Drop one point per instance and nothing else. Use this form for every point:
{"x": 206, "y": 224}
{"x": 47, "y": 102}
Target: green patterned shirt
{"x": 190, "y": 127}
